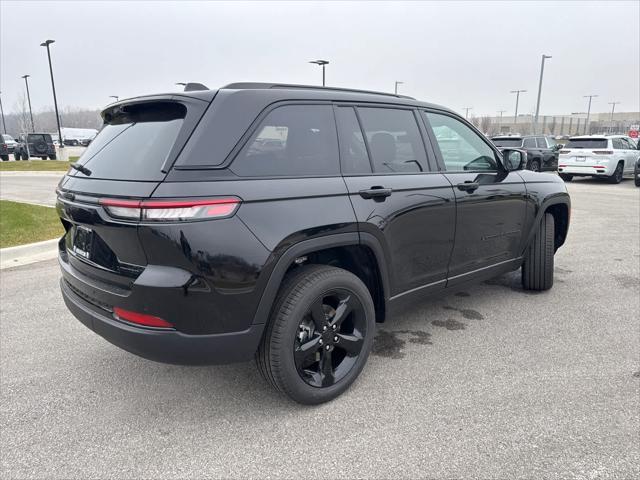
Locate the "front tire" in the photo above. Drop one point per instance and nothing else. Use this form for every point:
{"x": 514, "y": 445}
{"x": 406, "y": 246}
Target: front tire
{"x": 534, "y": 166}
{"x": 537, "y": 269}
{"x": 52, "y": 157}
{"x": 319, "y": 334}
{"x": 617, "y": 174}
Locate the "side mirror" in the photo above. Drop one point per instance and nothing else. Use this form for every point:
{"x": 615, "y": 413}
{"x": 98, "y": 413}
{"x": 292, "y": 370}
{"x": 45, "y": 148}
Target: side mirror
{"x": 513, "y": 159}
{"x": 557, "y": 147}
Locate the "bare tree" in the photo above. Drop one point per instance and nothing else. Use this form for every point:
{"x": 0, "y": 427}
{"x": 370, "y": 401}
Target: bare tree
{"x": 552, "y": 126}
{"x": 21, "y": 112}
{"x": 485, "y": 124}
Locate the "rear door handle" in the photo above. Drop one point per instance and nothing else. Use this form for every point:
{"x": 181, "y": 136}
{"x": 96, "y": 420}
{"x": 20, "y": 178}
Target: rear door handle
{"x": 378, "y": 193}
{"x": 468, "y": 186}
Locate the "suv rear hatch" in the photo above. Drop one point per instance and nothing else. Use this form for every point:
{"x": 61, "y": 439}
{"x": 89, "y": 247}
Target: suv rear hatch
{"x": 124, "y": 164}
{"x": 586, "y": 152}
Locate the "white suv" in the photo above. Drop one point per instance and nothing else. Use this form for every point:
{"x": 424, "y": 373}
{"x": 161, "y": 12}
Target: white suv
{"x": 611, "y": 156}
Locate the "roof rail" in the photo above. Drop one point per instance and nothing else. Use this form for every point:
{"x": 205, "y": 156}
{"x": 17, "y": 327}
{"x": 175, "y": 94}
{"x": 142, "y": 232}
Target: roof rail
{"x": 259, "y": 86}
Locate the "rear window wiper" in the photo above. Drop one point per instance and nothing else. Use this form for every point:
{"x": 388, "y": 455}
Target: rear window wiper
{"x": 80, "y": 168}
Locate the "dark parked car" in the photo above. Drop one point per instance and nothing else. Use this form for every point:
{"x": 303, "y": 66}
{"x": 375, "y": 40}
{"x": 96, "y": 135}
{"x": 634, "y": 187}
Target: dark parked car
{"x": 636, "y": 172}
{"x": 35, "y": 145}
{"x": 4, "y": 150}
{"x": 284, "y": 221}
{"x": 10, "y": 143}
{"x": 542, "y": 152}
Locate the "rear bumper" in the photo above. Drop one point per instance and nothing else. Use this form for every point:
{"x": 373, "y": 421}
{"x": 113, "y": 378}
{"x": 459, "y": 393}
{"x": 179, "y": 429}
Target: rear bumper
{"x": 167, "y": 346}
{"x": 578, "y": 170}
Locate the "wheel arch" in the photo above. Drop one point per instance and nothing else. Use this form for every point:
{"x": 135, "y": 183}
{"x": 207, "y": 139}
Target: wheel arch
{"x": 560, "y": 207}
{"x": 361, "y": 256}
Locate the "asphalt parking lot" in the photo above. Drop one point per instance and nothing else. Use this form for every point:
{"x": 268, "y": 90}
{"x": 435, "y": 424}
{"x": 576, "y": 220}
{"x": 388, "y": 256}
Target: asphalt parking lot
{"x": 491, "y": 382}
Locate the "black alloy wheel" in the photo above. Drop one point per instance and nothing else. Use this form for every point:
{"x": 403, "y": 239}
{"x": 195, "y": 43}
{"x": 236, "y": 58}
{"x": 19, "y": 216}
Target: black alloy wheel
{"x": 330, "y": 338}
{"x": 534, "y": 166}
{"x": 319, "y": 334}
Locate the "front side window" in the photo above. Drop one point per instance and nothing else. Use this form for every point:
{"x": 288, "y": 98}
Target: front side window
{"x": 292, "y": 140}
{"x": 462, "y": 149}
{"x": 540, "y": 141}
{"x": 394, "y": 140}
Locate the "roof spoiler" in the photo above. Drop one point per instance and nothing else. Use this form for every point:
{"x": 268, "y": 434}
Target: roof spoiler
{"x": 192, "y": 87}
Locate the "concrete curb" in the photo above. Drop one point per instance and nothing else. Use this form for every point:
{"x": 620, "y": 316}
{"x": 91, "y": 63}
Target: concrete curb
{"x": 30, "y": 253}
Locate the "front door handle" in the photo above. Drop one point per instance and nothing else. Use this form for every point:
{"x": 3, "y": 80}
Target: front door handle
{"x": 468, "y": 186}
{"x": 377, "y": 193}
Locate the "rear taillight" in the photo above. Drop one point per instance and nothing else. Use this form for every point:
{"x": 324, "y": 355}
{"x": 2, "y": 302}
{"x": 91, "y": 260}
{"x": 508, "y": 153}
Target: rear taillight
{"x": 603, "y": 152}
{"x": 140, "y": 318}
{"x": 171, "y": 210}
{"x": 564, "y": 152}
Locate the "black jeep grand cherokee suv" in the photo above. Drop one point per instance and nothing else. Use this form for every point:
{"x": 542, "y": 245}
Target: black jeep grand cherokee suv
{"x": 283, "y": 221}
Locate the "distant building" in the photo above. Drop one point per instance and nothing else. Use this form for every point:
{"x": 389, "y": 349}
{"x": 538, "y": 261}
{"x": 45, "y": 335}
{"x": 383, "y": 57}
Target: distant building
{"x": 558, "y": 125}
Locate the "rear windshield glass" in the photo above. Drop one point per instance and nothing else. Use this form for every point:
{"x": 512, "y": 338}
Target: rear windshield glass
{"x": 134, "y": 142}
{"x": 587, "y": 143}
{"x": 37, "y": 138}
{"x": 507, "y": 142}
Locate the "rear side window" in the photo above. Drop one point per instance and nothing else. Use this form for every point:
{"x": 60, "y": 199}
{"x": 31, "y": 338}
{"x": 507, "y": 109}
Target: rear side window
{"x": 394, "y": 140}
{"x": 617, "y": 144}
{"x": 292, "y": 140}
{"x": 134, "y": 142}
{"x": 587, "y": 143}
{"x": 529, "y": 143}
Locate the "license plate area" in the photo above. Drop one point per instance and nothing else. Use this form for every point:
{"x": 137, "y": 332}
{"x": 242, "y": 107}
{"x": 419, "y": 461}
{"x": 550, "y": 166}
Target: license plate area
{"x": 581, "y": 159}
{"x": 83, "y": 242}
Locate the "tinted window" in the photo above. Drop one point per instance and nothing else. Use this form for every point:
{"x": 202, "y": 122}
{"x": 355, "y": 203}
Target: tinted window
{"x": 587, "y": 143}
{"x": 507, "y": 142}
{"x": 529, "y": 143}
{"x": 292, "y": 140}
{"x": 541, "y": 142}
{"x": 627, "y": 144}
{"x": 462, "y": 148}
{"x": 618, "y": 144}
{"x": 394, "y": 140}
{"x": 353, "y": 151}
{"x": 134, "y": 144}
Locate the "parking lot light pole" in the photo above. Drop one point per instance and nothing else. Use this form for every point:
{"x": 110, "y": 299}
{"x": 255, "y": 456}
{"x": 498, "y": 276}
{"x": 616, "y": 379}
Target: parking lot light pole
{"x": 395, "y": 90}
{"x": 46, "y": 44}
{"x": 321, "y": 63}
{"x": 613, "y": 107}
{"x": 535, "y": 122}
{"x": 517, "y": 92}
{"x": 26, "y": 82}
{"x": 588, "y": 111}
{"x": 500, "y": 123}
{"x": 466, "y": 111}
{"x": 4, "y": 124}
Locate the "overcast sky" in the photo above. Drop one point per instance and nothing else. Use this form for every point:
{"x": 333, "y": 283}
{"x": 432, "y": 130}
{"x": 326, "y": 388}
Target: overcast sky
{"x": 458, "y": 54}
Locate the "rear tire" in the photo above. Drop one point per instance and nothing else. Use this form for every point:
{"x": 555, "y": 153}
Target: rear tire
{"x": 44, "y": 158}
{"x": 16, "y": 156}
{"x": 617, "y": 174}
{"x": 292, "y": 354}
{"x": 5, "y": 158}
{"x": 565, "y": 177}
{"x": 52, "y": 157}
{"x": 537, "y": 269}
